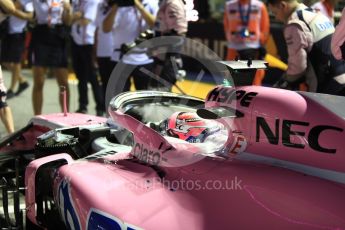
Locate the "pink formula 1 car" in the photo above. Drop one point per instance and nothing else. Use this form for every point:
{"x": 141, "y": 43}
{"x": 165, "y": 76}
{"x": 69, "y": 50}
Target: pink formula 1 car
{"x": 277, "y": 161}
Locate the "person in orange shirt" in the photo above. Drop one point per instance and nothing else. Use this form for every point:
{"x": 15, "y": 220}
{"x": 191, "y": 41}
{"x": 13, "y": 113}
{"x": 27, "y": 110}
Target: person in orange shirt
{"x": 246, "y": 27}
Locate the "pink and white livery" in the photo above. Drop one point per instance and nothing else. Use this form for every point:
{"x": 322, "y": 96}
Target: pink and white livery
{"x": 281, "y": 166}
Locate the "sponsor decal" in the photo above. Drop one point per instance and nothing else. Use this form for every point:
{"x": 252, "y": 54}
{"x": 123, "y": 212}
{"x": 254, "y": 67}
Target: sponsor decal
{"x": 147, "y": 155}
{"x": 66, "y": 206}
{"x": 227, "y": 95}
{"x": 101, "y": 220}
{"x": 284, "y": 130}
{"x": 239, "y": 145}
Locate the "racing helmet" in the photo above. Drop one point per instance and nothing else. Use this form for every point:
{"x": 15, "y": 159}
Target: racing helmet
{"x": 188, "y": 126}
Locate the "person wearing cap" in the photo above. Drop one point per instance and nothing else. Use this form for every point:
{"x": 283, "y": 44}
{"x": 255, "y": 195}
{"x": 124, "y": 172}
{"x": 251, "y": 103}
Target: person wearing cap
{"x": 13, "y": 46}
{"x": 83, "y": 36}
{"x": 308, "y": 37}
{"x": 49, "y": 44}
{"x": 126, "y": 24}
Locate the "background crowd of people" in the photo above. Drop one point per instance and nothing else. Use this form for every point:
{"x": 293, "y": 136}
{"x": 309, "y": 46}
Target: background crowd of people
{"x": 97, "y": 29}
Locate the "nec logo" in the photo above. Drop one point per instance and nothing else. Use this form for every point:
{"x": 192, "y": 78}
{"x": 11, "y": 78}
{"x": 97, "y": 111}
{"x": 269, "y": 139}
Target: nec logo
{"x": 228, "y": 95}
{"x": 287, "y": 131}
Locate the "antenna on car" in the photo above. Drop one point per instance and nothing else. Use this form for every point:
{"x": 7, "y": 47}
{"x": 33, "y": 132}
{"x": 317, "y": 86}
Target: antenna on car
{"x": 64, "y": 94}
{"x": 250, "y": 62}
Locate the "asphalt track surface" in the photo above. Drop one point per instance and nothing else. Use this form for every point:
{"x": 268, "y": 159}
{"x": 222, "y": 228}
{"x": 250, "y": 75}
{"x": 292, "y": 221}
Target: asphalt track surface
{"x": 22, "y": 105}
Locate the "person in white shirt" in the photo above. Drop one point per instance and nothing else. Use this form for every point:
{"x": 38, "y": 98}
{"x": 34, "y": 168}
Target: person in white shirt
{"x": 83, "y": 35}
{"x": 13, "y": 46}
{"x": 126, "y": 24}
{"x": 49, "y": 44}
{"x": 6, "y": 7}
{"x": 104, "y": 46}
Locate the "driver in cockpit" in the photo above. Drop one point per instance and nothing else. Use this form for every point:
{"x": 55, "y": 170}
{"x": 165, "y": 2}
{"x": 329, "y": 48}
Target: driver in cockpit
{"x": 188, "y": 126}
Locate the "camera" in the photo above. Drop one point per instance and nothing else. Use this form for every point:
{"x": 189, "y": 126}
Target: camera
{"x": 121, "y": 3}
{"x": 148, "y": 34}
